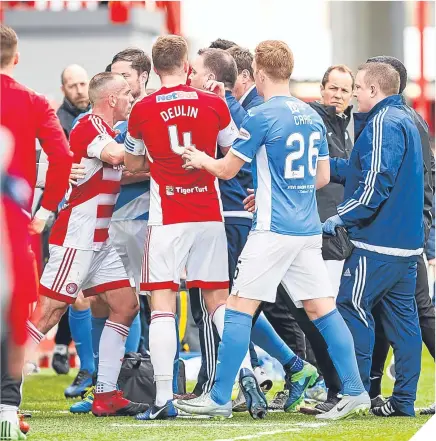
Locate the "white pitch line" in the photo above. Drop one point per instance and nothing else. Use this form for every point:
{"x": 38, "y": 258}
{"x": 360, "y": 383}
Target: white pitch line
{"x": 199, "y": 426}
{"x": 259, "y": 435}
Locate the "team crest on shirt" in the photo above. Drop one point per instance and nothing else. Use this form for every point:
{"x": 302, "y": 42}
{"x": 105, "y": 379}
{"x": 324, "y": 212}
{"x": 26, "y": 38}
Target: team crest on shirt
{"x": 170, "y": 190}
{"x": 244, "y": 134}
{"x": 71, "y": 288}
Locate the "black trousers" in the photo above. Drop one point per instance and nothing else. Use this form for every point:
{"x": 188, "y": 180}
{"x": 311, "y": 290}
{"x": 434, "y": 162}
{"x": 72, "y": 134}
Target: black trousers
{"x": 426, "y": 313}
{"x": 63, "y": 333}
{"x": 209, "y": 342}
{"x": 10, "y": 393}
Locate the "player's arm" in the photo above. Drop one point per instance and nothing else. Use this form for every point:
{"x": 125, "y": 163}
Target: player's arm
{"x": 227, "y": 136}
{"x": 380, "y": 161}
{"x": 322, "y": 172}
{"x": 113, "y": 153}
{"x": 251, "y": 137}
{"x": 135, "y": 155}
{"x": 135, "y": 151}
{"x": 133, "y": 178}
{"x": 105, "y": 148}
{"x": 323, "y": 164}
{"x": 59, "y": 157}
{"x": 224, "y": 168}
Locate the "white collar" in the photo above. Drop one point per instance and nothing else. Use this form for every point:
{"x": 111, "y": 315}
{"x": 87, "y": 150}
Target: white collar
{"x": 246, "y": 94}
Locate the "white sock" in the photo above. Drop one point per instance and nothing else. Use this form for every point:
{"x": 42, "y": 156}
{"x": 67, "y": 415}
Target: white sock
{"x": 111, "y": 352}
{"x": 163, "y": 348}
{"x": 9, "y": 413}
{"x": 34, "y": 333}
{"x": 218, "y": 319}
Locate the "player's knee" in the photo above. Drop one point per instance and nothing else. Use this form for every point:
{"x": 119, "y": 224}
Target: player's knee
{"x": 81, "y": 303}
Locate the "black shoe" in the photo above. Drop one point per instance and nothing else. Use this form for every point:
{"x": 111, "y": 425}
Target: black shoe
{"x": 60, "y": 364}
{"x": 428, "y": 410}
{"x": 254, "y": 397}
{"x": 378, "y": 401}
{"x": 387, "y": 410}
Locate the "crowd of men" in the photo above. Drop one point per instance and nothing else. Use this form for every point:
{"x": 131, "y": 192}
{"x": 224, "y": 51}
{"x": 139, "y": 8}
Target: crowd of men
{"x": 223, "y": 176}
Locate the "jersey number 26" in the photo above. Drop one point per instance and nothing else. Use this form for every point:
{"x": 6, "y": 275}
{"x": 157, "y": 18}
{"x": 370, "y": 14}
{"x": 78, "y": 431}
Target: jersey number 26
{"x": 299, "y": 172}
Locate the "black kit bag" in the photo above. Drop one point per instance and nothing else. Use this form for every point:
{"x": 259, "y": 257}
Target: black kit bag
{"x": 337, "y": 247}
{"x": 136, "y": 378}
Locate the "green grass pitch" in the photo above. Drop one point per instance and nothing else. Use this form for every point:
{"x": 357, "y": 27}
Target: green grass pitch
{"x": 51, "y": 421}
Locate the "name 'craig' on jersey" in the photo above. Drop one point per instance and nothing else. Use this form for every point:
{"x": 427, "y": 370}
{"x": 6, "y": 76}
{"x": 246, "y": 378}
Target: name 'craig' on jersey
{"x": 167, "y": 121}
{"x": 283, "y": 139}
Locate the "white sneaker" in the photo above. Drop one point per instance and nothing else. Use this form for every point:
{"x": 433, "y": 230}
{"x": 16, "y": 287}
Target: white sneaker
{"x": 204, "y": 405}
{"x": 262, "y": 378}
{"x": 347, "y": 407}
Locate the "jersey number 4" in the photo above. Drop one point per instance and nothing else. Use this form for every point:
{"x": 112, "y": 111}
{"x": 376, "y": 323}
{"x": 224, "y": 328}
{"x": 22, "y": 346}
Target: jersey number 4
{"x": 174, "y": 140}
{"x": 299, "y": 172}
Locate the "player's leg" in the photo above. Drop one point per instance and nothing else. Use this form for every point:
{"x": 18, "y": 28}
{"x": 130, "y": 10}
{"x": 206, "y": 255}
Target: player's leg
{"x": 99, "y": 315}
{"x": 308, "y": 285}
{"x": 166, "y": 251}
{"x": 108, "y": 279}
{"x": 400, "y": 321}
{"x": 59, "y": 286}
{"x": 128, "y": 238}
{"x": 262, "y": 264}
{"x": 79, "y": 316}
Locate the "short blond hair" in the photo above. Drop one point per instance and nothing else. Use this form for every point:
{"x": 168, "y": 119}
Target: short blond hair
{"x": 8, "y": 44}
{"x": 384, "y": 75}
{"x": 275, "y": 58}
{"x": 168, "y": 53}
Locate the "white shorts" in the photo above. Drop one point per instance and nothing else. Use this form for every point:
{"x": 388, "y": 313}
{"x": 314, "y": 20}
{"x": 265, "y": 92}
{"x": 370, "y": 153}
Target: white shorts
{"x": 128, "y": 239}
{"x": 198, "y": 247}
{"x": 69, "y": 270}
{"x": 269, "y": 258}
{"x": 334, "y": 269}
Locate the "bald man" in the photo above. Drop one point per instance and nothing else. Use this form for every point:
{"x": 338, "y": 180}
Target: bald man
{"x": 75, "y": 82}
{"x": 81, "y": 255}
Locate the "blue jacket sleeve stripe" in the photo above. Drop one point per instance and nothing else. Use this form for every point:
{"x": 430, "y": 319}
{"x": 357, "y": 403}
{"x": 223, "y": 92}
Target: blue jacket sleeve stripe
{"x": 377, "y": 136}
{"x": 371, "y": 177}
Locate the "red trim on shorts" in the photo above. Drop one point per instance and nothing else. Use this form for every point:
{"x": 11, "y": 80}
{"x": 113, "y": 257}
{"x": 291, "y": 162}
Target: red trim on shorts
{"x": 207, "y": 285}
{"x": 47, "y": 292}
{"x": 159, "y": 285}
{"x": 101, "y": 235}
{"x": 98, "y": 289}
{"x": 104, "y": 211}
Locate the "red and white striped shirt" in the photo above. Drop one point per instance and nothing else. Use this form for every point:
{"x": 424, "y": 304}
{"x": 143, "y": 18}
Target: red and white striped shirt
{"x": 83, "y": 221}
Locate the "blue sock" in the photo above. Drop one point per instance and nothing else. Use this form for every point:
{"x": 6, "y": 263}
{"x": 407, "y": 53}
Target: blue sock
{"x": 132, "y": 342}
{"x": 80, "y": 325}
{"x": 340, "y": 345}
{"x": 265, "y": 336}
{"x": 96, "y": 331}
{"x": 176, "y": 359}
{"x": 231, "y": 352}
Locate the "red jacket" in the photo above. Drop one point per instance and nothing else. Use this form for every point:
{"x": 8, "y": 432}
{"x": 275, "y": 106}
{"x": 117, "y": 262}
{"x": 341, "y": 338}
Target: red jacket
{"x": 28, "y": 116}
